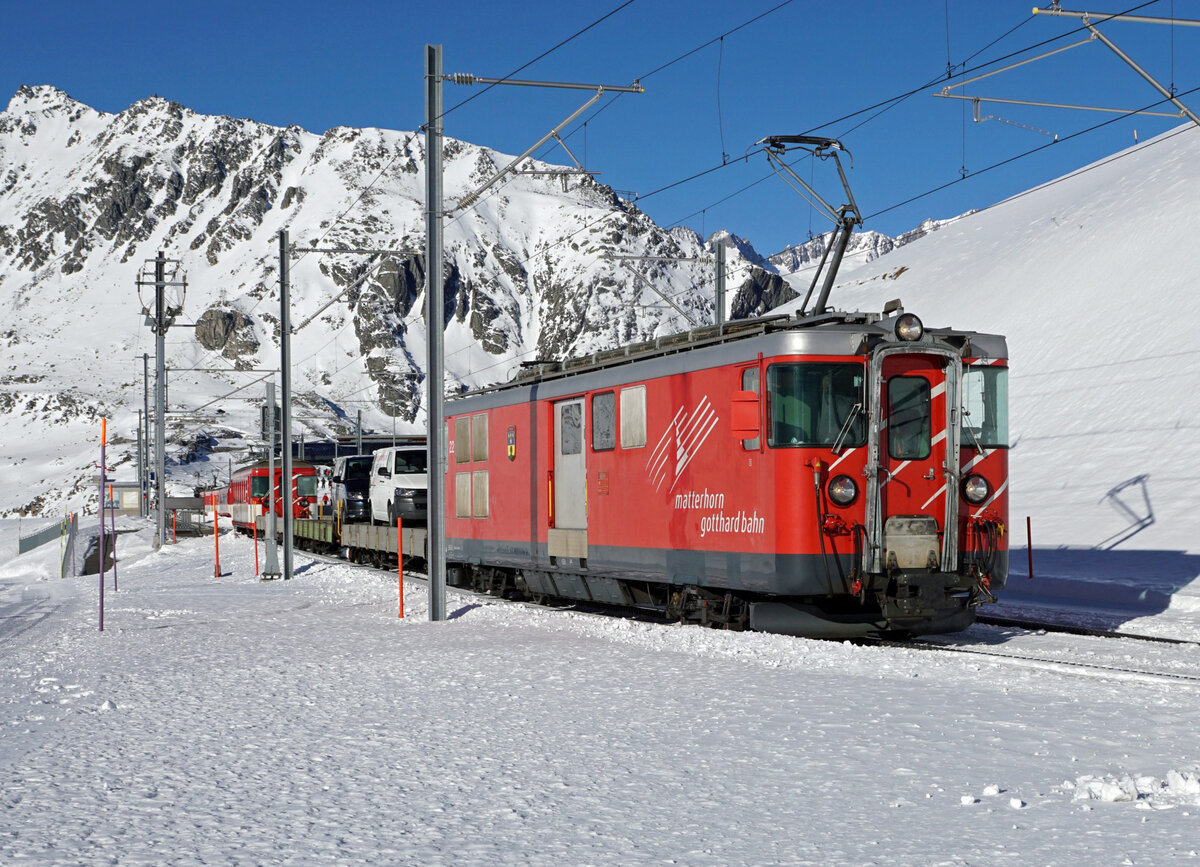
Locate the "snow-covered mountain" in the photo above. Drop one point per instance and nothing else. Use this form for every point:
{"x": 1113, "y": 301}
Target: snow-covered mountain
{"x": 534, "y": 269}
{"x": 862, "y": 247}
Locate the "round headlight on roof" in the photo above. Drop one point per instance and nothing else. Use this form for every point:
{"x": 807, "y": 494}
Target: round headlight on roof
{"x": 909, "y": 327}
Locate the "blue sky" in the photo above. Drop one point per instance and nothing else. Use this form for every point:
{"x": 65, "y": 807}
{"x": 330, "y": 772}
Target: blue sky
{"x": 798, "y": 69}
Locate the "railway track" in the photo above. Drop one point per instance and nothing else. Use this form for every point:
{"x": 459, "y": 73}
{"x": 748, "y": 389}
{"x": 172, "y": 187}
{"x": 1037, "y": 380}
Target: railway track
{"x": 1048, "y": 663}
{"x": 1073, "y": 629}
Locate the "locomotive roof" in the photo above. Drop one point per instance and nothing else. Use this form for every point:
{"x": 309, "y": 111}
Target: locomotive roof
{"x": 830, "y": 333}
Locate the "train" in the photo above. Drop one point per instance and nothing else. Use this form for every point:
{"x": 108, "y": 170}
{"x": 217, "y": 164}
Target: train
{"x": 242, "y": 500}
{"x": 830, "y": 475}
{"x": 827, "y": 474}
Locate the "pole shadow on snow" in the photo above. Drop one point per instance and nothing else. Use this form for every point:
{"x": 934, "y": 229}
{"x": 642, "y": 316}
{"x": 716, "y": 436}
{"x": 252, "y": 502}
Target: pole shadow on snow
{"x": 1124, "y": 499}
{"x": 1101, "y": 586}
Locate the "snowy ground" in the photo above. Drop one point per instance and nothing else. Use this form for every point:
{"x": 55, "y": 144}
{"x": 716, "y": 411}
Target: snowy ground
{"x": 224, "y": 720}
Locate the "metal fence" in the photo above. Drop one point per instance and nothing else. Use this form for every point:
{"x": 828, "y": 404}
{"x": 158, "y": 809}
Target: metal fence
{"x": 63, "y": 530}
{"x": 44, "y": 536}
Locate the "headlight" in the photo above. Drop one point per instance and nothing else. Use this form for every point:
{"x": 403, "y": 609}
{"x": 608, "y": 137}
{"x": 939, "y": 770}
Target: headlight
{"x": 909, "y": 327}
{"x": 842, "y": 490}
{"x": 976, "y": 489}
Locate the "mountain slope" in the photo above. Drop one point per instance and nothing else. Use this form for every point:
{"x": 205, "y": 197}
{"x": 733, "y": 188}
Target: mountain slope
{"x": 534, "y": 269}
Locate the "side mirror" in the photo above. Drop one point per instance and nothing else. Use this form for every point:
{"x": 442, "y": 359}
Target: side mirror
{"x": 385, "y": 472}
{"x": 744, "y": 415}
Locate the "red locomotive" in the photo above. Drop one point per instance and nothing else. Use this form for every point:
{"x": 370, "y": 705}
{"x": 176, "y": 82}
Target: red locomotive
{"x": 243, "y": 500}
{"x": 836, "y": 474}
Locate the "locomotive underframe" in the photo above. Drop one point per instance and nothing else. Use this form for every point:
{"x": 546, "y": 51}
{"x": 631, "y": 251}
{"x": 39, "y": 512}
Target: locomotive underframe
{"x": 913, "y": 602}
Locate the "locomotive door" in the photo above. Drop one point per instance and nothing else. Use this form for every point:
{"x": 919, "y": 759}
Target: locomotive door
{"x": 569, "y": 536}
{"x": 916, "y": 502}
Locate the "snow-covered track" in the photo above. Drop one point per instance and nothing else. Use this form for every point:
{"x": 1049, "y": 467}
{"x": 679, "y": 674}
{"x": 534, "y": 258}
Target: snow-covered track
{"x": 1071, "y": 629}
{"x": 1108, "y": 670}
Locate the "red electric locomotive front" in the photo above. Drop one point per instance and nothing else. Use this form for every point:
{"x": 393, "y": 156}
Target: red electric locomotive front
{"x": 250, "y": 485}
{"x": 832, "y": 475}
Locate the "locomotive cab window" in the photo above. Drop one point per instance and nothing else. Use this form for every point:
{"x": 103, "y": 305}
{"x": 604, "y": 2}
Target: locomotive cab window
{"x": 306, "y": 486}
{"x": 985, "y": 407}
{"x": 908, "y": 423}
{"x": 259, "y": 486}
{"x": 812, "y": 402}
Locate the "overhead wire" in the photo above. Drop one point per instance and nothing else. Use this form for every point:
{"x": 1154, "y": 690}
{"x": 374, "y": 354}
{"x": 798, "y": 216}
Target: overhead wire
{"x": 1042, "y": 147}
{"x": 545, "y": 53}
{"x": 965, "y": 70}
{"x": 672, "y": 62}
{"x": 892, "y": 102}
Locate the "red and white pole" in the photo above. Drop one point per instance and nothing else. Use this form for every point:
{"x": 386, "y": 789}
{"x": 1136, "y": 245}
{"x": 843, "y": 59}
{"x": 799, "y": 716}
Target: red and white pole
{"x": 216, "y": 546}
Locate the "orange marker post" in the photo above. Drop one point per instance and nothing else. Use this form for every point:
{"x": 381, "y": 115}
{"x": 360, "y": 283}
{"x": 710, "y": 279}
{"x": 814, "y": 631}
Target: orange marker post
{"x": 216, "y": 546}
{"x": 400, "y": 561}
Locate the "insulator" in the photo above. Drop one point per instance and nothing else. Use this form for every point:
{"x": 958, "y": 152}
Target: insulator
{"x": 462, "y": 78}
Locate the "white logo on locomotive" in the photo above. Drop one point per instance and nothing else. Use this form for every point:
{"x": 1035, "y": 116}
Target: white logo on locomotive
{"x": 687, "y": 432}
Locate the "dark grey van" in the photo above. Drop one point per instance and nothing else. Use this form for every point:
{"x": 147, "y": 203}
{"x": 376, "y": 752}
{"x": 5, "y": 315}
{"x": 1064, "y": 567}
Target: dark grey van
{"x": 351, "y": 484}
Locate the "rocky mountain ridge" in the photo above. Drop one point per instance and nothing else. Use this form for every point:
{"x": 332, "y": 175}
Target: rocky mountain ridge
{"x": 535, "y": 268}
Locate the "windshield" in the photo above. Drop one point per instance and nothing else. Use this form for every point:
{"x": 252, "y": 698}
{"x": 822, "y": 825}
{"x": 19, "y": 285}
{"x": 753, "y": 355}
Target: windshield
{"x": 410, "y": 462}
{"x": 357, "y": 469}
{"x": 813, "y": 401}
{"x": 306, "y": 486}
{"x": 258, "y": 486}
{"x": 985, "y": 407}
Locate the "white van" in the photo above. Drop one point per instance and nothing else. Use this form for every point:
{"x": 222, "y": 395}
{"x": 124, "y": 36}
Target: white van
{"x": 399, "y": 485}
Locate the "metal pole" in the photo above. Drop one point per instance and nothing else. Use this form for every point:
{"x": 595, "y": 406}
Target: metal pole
{"x": 358, "y": 436}
{"x": 1104, "y": 17}
{"x": 434, "y": 323}
{"x": 1143, "y": 73}
{"x": 146, "y": 433}
{"x": 103, "y": 439}
{"x": 160, "y": 375}
{"x": 720, "y": 283}
{"x": 141, "y": 467}
{"x": 285, "y": 365}
{"x": 113, "y": 521}
{"x": 838, "y": 251}
{"x": 271, "y": 562}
